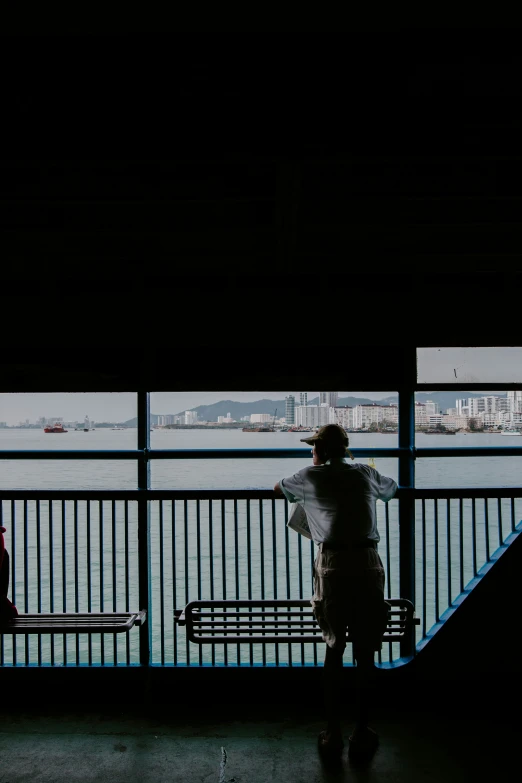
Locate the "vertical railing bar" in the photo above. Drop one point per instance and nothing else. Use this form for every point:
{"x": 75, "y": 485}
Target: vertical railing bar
{"x": 436, "y": 524}
{"x": 500, "y": 531}
{"x": 262, "y": 548}
{"x": 486, "y": 527}
{"x": 513, "y": 528}
{"x": 26, "y": 573}
{"x": 274, "y": 567}
{"x": 89, "y": 570}
{"x": 76, "y": 587}
{"x": 300, "y": 572}
{"x": 64, "y": 577}
{"x": 287, "y": 562}
{"x": 249, "y": 569}
{"x": 424, "y": 580}
{"x": 101, "y": 531}
{"x": 174, "y": 576}
{"x": 236, "y": 566}
{"x": 13, "y": 574}
{"x": 461, "y": 543}
{"x": 474, "y": 534}
{"x": 126, "y": 567}
{"x": 185, "y": 529}
{"x": 448, "y": 546}
{"x": 198, "y": 545}
{"x": 51, "y": 572}
{"x": 39, "y": 575}
{"x": 161, "y": 579}
{"x": 224, "y": 570}
{"x": 388, "y": 565}
{"x": 114, "y": 601}
{"x": 312, "y": 565}
{"x": 211, "y": 564}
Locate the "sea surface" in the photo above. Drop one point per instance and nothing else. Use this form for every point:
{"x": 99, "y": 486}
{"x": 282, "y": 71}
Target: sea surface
{"x": 83, "y": 556}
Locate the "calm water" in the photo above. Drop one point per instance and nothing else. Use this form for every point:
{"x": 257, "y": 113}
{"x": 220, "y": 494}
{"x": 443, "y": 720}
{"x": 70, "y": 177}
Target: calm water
{"x": 101, "y": 539}
{"x": 259, "y": 473}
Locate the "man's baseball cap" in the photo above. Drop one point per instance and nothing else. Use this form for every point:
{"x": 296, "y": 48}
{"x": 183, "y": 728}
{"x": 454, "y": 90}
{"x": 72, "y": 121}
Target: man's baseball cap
{"x": 330, "y": 435}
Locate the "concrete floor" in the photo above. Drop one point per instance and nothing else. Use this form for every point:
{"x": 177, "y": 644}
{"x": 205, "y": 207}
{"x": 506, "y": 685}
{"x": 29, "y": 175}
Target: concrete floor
{"x": 120, "y": 746}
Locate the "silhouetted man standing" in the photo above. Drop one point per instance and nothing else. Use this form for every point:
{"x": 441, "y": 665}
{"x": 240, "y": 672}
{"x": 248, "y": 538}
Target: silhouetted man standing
{"x": 340, "y": 504}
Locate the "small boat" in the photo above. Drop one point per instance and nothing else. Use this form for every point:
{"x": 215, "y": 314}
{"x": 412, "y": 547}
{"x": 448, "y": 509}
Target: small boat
{"x": 510, "y": 432}
{"x": 58, "y": 427}
{"x": 118, "y": 428}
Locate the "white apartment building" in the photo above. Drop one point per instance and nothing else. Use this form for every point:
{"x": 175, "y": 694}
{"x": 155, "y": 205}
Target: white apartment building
{"x": 342, "y": 415}
{"x": 435, "y": 419}
{"x": 421, "y": 416}
{"x": 191, "y": 417}
{"x": 311, "y": 415}
{"x": 260, "y": 418}
{"x": 453, "y": 421}
{"x": 366, "y": 415}
{"x": 515, "y": 401}
{"x": 474, "y": 406}
{"x": 432, "y": 408}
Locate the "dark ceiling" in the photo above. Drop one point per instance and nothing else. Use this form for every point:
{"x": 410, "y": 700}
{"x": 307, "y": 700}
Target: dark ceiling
{"x": 260, "y": 199}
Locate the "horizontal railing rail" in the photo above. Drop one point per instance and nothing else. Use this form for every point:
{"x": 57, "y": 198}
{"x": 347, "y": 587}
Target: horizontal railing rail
{"x": 160, "y": 454}
{"x": 231, "y": 494}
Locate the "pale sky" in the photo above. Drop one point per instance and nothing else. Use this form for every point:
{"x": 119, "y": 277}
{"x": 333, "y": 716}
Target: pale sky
{"x": 121, "y": 407}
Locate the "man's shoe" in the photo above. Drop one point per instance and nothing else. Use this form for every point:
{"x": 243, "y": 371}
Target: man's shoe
{"x": 363, "y": 744}
{"x": 328, "y": 744}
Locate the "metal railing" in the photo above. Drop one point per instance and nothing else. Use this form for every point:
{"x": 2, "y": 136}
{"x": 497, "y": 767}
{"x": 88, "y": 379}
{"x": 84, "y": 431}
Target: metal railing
{"x": 83, "y": 554}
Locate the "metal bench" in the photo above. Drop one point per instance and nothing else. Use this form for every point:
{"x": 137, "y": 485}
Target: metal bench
{"x": 74, "y": 622}
{"x": 250, "y": 622}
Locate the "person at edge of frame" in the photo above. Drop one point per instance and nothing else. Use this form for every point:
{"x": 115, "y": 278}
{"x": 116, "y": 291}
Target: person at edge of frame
{"x": 340, "y": 504}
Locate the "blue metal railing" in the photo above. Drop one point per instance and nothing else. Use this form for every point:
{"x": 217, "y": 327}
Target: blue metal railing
{"x": 220, "y": 544}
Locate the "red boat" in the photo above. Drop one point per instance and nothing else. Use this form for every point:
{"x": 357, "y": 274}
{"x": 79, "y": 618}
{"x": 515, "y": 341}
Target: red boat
{"x": 55, "y": 428}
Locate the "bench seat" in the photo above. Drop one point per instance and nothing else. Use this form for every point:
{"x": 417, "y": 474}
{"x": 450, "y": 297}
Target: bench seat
{"x": 280, "y": 621}
{"x": 74, "y": 622}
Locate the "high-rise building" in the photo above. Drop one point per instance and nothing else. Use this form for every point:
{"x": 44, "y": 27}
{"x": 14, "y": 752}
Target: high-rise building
{"x": 303, "y": 398}
{"x": 515, "y": 401}
{"x": 260, "y": 418}
{"x": 329, "y": 398}
{"x": 290, "y": 409}
{"x": 342, "y": 416}
{"x": 311, "y": 415}
{"x": 191, "y": 417}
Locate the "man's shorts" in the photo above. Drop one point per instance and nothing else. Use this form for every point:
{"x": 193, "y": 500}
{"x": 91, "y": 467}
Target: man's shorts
{"x": 349, "y": 593}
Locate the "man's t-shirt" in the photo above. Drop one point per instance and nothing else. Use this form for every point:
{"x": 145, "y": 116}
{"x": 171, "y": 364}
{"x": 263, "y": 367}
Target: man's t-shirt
{"x": 339, "y": 500}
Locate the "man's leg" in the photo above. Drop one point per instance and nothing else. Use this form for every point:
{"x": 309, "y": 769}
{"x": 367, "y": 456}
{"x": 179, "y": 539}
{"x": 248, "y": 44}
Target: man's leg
{"x": 364, "y": 675}
{"x": 364, "y": 740}
{"x": 333, "y": 666}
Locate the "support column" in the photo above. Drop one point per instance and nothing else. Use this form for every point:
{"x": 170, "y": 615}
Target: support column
{"x": 407, "y": 482}
{"x": 144, "y": 569}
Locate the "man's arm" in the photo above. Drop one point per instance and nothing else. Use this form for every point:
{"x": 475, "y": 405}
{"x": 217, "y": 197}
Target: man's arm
{"x": 278, "y": 492}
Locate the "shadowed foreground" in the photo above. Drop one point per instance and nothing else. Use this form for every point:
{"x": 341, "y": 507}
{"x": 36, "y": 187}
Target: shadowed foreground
{"x": 124, "y": 746}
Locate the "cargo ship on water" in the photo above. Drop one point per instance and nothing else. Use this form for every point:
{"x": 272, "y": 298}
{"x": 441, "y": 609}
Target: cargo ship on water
{"x": 57, "y": 427}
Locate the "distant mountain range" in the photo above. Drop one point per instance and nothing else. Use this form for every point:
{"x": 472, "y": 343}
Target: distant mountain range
{"x": 445, "y": 399}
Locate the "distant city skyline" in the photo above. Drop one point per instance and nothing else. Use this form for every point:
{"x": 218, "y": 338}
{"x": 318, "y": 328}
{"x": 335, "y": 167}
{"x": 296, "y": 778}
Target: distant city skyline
{"x": 16, "y": 408}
